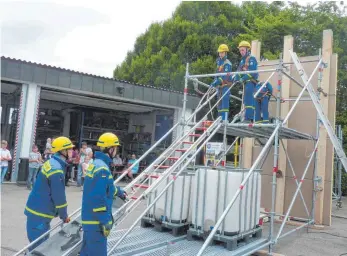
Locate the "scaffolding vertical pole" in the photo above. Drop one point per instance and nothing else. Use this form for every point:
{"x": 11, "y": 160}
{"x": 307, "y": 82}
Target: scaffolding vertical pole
{"x": 225, "y": 140}
{"x": 185, "y": 92}
{"x": 339, "y": 169}
{"x": 315, "y": 178}
{"x": 276, "y": 155}
{"x": 236, "y": 152}
{"x": 241, "y": 153}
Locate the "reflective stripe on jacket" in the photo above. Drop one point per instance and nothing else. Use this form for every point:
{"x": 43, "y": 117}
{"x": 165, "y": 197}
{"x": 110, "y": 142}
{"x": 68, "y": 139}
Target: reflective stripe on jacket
{"x": 47, "y": 198}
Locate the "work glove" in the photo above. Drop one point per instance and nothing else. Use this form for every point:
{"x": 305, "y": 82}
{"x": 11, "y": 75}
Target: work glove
{"x": 120, "y": 193}
{"x": 106, "y": 229}
{"x": 241, "y": 80}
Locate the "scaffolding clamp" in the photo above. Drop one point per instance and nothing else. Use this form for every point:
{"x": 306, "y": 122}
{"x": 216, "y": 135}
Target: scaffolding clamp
{"x": 318, "y": 179}
{"x": 320, "y": 89}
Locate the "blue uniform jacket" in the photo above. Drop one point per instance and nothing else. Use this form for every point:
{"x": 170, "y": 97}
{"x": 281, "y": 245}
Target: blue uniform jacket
{"x": 47, "y": 198}
{"x": 223, "y": 66}
{"x": 247, "y": 63}
{"x": 265, "y": 91}
{"x": 98, "y": 193}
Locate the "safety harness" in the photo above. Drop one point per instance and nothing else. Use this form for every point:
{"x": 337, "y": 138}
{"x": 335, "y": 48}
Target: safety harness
{"x": 244, "y": 67}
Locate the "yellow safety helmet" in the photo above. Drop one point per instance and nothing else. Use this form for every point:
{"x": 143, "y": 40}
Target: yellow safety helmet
{"x": 61, "y": 143}
{"x": 223, "y": 48}
{"x": 107, "y": 140}
{"x": 244, "y": 44}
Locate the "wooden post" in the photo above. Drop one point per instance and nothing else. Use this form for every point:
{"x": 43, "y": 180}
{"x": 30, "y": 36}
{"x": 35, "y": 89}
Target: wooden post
{"x": 285, "y": 93}
{"x": 327, "y": 49}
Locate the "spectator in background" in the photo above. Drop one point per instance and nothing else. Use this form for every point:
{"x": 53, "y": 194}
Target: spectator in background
{"x": 87, "y": 161}
{"x": 5, "y": 156}
{"x": 76, "y": 162}
{"x": 135, "y": 169}
{"x": 48, "y": 149}
{"x": 84, "y": 151}
{"x": 126, "y": 159}
{"x": 35, "y": 161}
{"x": 70, "y": 161}
{"x": 117, "y": 163}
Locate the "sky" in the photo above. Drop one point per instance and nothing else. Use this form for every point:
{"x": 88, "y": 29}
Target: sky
{"x": 87, "y": 36}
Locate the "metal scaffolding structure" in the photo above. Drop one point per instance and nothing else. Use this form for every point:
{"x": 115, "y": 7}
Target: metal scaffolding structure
{"x": 337, "y": 186}
{"x": 189, "y": 144}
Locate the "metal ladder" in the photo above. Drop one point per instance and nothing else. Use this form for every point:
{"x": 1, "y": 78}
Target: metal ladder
{"x": 177, "y": 168}
{"x": 323, "y": 118}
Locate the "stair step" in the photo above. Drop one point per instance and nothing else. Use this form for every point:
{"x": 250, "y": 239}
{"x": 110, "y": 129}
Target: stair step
{"x": 152, "y": 176}
{"x": 181, "y": 150}
{"x": 162, "y": 166}
{"x": 194, "y": 135}
{"x": 188, "y": 142}
{"x": 201, "y": 128}
{"x": 173, "y": 157}
{"x": 141, "y": 186}
{"x": 133, "y": 197}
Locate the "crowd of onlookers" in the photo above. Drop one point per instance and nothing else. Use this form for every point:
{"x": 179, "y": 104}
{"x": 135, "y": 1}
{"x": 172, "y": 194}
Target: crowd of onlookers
{"x": 78, "y": 162}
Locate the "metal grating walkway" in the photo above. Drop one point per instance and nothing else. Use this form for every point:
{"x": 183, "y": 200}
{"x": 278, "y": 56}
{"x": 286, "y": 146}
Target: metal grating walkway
{"x": 264, "y": 131}
{"x": 147, "y": 242}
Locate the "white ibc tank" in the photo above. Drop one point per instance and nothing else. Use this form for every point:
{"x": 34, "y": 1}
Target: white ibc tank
{"x": 213, "y": 191}
{"x": 173, "y": 206}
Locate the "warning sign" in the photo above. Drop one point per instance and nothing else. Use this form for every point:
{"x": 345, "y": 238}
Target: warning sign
{"x": 213, "y": 153}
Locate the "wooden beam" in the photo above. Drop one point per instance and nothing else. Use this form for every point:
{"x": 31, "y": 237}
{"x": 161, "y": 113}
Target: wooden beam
{"x": 285, "y": 93}
{"x": 327, "y": 48}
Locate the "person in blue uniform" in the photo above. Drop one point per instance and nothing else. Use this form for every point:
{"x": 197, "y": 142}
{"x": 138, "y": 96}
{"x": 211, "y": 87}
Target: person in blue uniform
{"x": 47, "y": 199}
{"x": 247, "y": 63}
{"x": 262, "y": 102}
{"x": 98, "y": 195}
{"x": 222, "y": 83}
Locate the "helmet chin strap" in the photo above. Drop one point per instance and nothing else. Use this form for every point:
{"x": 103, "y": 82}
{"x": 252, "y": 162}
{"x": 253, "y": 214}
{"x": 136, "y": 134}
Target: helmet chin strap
{"x": 61, "y": 153}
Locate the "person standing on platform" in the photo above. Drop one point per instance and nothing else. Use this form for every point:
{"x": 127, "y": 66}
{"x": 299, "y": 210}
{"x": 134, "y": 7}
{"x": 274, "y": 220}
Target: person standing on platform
{"x": 223, "y": 83}
{"x": 262, "y": 102}
{"x": 247, "y": 63}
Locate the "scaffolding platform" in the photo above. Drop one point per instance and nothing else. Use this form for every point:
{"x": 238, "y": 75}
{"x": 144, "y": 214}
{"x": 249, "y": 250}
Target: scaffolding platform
{"x": 148, "y": 242}
{"x": 264, "y": 131}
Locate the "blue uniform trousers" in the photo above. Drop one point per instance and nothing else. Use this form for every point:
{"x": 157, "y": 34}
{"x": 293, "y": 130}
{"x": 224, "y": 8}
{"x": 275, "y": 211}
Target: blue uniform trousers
{"x": 35, "y": 228}
{"x": 94, "y": 243}
{"x": 223, "y": 105}
{"x": 262, "y": 110}
{"x": 248, "y": 100}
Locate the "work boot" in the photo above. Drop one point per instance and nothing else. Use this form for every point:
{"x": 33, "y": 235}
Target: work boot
{"x": 247, "y": 121}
